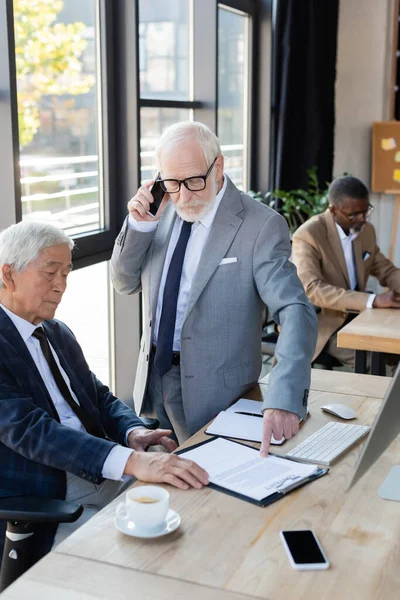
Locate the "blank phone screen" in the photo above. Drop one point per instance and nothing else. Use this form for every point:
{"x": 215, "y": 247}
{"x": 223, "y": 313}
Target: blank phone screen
{"x": 303, "y": 547}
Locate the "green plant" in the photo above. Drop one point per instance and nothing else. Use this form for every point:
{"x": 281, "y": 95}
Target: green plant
{"x": 297, "y": 205}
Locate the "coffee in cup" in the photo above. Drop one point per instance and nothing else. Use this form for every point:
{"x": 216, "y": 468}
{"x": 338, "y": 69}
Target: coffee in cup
{"x": 145, "y": 500}
{"x": 146, "y": 506}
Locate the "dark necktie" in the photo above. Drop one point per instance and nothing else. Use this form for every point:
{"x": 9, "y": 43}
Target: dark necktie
{"x": 83, "y": 416}
{"x": 165, "y": 339}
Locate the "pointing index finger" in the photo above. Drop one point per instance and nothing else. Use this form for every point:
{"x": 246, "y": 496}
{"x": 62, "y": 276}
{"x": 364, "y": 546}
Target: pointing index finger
{"x": 266, "y": 436}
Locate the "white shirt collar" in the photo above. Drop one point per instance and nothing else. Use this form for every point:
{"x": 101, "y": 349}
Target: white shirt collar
{"x": 25, "y": 328}
{"x": 208, "y": 219}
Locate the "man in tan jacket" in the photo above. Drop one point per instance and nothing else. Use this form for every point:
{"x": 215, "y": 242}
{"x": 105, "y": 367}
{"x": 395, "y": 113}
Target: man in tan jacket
{"x": 335, "y": 253}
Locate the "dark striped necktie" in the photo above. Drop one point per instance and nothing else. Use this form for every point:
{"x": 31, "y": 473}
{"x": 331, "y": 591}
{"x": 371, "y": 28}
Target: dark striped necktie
{"x": 166, "y": 329}
{"x": 86, "y": 420}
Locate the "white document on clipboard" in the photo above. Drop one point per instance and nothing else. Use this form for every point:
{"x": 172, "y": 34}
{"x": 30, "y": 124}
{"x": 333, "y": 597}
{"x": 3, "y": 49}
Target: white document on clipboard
{"x": 238, "y": 469}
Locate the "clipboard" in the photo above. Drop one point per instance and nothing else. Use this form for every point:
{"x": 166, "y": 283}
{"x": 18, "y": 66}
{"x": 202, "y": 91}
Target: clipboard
{"x": 270, "y": 498}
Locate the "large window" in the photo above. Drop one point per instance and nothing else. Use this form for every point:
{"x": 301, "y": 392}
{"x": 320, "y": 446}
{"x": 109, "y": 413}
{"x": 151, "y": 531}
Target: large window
{"x": 178, "y": 71}
{"x": 233, "y": 92}
{"x": 164, "y": 49}
{"x": 165, "y": 67}
{"x": 57, "y": 68}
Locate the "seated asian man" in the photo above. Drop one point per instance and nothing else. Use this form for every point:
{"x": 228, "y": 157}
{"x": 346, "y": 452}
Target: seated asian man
{"x": 62, "y": 432}
{"x": 335, "y": 253}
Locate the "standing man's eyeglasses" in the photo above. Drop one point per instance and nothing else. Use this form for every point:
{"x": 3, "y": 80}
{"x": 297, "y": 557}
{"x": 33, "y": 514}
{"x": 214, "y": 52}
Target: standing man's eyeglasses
{"x": 353, "y": 216}
{"x": 193, "y": 184}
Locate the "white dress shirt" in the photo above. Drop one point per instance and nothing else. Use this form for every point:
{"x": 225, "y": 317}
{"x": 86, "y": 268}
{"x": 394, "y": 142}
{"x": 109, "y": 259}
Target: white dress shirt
{"x": 347, "y": 245}
{"x": 115, "y": 462}
{"x": 198, "y": 238}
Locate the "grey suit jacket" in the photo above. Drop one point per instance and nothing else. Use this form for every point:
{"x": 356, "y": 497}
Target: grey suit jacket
{"x": 222, "y": 326}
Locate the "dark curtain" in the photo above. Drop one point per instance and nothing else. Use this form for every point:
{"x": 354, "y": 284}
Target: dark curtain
{"x": 304, "y": 71}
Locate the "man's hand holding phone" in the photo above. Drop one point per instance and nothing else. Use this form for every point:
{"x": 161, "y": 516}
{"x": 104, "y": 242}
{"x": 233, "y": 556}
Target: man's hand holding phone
{"x": 149, "y": 200}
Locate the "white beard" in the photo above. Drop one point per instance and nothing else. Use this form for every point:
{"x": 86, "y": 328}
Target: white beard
{"x": 187, "y": 213}
{"x": 192, "y": 213}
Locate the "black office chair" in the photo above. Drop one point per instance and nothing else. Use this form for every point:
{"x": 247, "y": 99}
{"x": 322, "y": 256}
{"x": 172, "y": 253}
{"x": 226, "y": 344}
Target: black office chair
{"x": 327, "y": 361}
{"x": 21, "y": 545}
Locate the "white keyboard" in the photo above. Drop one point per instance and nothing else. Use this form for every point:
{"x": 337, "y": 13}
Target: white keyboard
{"x": 328, "y": 443}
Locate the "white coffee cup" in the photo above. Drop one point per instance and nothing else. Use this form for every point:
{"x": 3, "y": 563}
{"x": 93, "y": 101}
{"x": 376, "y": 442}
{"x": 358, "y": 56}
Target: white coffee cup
{"x": 147, "y": 506}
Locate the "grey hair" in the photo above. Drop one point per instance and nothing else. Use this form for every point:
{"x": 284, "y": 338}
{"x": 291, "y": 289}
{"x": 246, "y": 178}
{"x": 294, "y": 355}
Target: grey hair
{"x": 20, "y": 244}
{"x": 180, "y": 133}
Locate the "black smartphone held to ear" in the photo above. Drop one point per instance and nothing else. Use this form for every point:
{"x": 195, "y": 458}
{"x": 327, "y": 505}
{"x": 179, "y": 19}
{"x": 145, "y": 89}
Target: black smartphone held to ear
{"x": 158, "y": 194}
{"x": 304, "y": 550}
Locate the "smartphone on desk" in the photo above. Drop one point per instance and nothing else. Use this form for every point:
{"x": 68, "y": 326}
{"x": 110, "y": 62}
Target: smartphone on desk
{"x": 304, "y": 550}
{"x": 158, "y": 194}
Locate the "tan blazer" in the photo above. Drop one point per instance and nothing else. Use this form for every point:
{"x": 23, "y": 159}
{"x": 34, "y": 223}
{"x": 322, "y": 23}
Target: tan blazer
{"x": 318, "y": 255}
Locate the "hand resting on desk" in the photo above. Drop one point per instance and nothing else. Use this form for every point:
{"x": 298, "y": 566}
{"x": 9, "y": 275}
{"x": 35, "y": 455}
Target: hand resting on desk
{"x": 389, "y": 299}
{"x": 278, "y": 423}
{"x": 158, "y": 467}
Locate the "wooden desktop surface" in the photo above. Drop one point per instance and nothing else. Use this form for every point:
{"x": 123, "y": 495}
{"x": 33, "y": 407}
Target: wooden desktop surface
{"x": 376, "y": 330}
{"x": 345, "y": 383}
{"x": 227, "y": 548}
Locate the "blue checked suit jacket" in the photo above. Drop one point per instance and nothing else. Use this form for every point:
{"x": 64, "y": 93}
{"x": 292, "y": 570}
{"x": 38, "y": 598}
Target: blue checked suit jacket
{"x": 35, "y": 449}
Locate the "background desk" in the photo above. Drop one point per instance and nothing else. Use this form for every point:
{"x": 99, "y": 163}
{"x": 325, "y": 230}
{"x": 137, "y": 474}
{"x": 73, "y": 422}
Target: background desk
{"x": 227, "y": 548}
{"x": 375, "y": 330}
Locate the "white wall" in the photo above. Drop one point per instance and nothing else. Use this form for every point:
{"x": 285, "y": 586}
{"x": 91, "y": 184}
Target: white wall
{"x": 363, "y": 96}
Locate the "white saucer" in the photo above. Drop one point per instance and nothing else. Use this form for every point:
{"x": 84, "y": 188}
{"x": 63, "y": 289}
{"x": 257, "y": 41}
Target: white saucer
{"x": 171, "y": 523}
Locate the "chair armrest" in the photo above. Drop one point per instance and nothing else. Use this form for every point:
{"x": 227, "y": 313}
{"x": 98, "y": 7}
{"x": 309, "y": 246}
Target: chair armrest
{"x": 31, "y": 509}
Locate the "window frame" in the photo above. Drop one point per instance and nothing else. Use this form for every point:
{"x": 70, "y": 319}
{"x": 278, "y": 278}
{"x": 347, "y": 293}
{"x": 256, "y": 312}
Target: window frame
{"x": 251, "y": 9}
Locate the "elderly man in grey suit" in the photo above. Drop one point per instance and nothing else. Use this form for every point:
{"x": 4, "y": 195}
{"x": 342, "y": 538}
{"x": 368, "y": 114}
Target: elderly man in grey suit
{"x": 208, "y": 263}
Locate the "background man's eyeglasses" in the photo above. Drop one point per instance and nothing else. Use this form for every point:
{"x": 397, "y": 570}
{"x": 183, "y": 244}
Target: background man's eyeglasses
{"x": 193, "y": 184}
{"x": 353, "y": 216}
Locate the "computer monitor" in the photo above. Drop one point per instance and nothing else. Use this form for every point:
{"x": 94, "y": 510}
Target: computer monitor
{"x": 385, "y": 429}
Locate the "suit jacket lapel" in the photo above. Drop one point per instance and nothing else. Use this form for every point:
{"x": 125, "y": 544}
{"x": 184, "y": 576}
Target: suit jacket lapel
{"x": 337, "y": 250}
{"x": 159, "y": 250}
{"x": 11, "y": 334}
{"x": 223, "y": 231}
{"x": 357, "y": 248}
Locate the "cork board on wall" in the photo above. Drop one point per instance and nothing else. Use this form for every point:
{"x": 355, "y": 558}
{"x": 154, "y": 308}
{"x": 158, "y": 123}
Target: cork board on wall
{"x": 386, "y": 157}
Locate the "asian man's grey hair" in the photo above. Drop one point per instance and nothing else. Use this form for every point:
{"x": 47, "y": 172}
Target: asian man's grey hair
{"x": 180, "y": 133}
{"x": 22, "y": 243}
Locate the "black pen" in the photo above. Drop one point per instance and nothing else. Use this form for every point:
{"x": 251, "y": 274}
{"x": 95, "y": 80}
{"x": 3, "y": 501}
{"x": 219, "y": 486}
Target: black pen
{"x": 238, "y": 412}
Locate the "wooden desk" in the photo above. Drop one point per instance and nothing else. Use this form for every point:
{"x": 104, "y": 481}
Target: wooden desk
{"x": 227, "y": 548}
{"x": 345, "y": 383}
{"x": 374, "y": 330}
{"x": 63, "y": 577}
